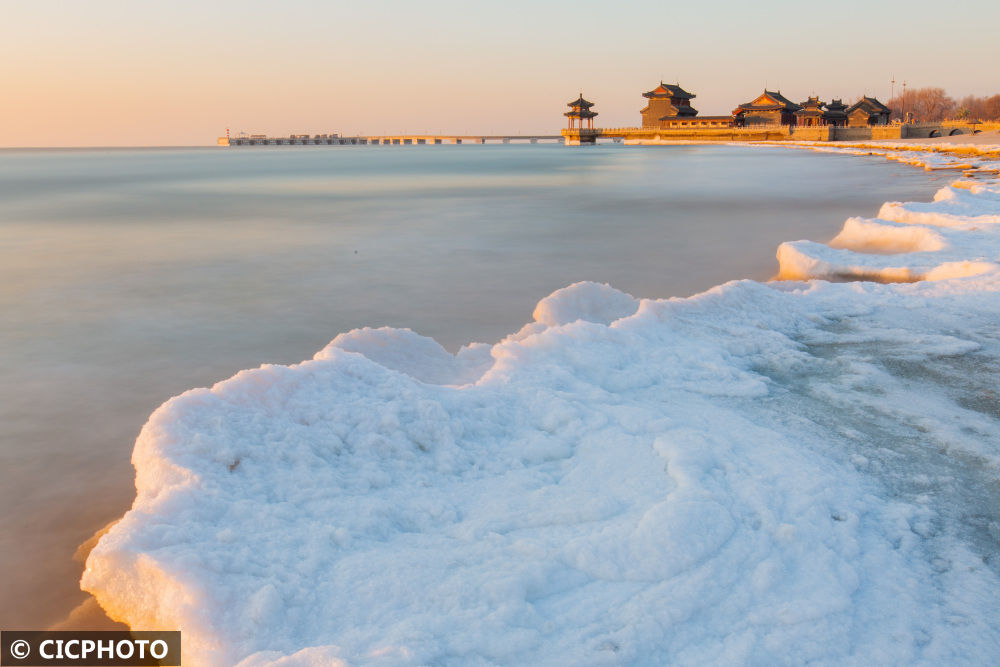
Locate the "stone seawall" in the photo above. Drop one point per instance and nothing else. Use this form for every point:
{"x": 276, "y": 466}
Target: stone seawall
{"x": 646, "y": 135}
{"x": 821, "y": 133}
{"x": 700, "y": 135}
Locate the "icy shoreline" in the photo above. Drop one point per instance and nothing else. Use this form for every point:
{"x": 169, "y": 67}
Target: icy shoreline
{"x": 774, "y": 473}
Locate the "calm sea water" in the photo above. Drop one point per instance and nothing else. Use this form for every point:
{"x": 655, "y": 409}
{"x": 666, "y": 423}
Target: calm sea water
{"x": 129, "y": 276}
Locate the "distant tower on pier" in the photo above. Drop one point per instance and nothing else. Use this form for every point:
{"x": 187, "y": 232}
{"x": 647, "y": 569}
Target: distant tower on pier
{"x": 580, "y": 112}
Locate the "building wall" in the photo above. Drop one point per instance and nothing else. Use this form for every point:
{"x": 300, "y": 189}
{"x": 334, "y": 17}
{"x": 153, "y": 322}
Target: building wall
{"x": 697, "y": 122}
{"x": 877, "y": 133}
{"x": 887, "y": 132}
{"x": 762, "y": 118}
{"x": 871, "y": 133}
{"x": 813, "y": 133}
{"x": 858, "y": 118}
{"x": 652, "y": 136}
{"x": 660, "y": 107}
{"x": 657, "y": 109}
{"x": 634, "y": 135}
{"x": 775, "y": 117}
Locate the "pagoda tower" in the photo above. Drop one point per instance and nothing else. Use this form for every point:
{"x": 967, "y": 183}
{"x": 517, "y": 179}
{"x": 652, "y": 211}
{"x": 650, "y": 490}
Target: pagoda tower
{"x": 580, "y": 112}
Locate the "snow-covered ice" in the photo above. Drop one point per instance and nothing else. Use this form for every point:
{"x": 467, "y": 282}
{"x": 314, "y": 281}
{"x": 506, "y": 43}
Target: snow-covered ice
{"x": 956, "y": 235}
{"x": 772, "y": 473}
{"x": 973, "y": 158}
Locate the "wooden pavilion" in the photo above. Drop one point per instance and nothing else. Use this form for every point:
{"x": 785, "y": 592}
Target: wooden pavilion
{"x": 580, "y": 112}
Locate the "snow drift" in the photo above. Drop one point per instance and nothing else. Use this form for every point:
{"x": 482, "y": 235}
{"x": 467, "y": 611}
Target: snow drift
{"x": 762, "y": 473}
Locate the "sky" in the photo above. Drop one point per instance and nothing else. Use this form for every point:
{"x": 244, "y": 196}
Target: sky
{"x": 152, "y": 73}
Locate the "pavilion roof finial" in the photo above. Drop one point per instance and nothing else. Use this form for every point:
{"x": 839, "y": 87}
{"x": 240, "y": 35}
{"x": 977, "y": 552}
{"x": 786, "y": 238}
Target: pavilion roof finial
{"x": 580, "y": 103}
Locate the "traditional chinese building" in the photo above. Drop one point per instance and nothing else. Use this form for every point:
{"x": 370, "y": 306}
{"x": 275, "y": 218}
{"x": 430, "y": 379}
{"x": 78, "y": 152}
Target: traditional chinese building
{"x": 669, "y": 107}
{"x": 810, "y": 114}
{"x": 836, "y": 113}
{"x": 666, "y": 101}
{"x": 770, "y": 116}
{"x": 866, "y": 112}
{"x": 580, "y": 113}
{"x": 768, "y": 108}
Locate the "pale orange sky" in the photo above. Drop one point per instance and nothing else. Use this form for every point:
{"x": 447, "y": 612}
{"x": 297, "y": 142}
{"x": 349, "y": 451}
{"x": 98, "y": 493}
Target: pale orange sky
{"x": 118, "y": 72}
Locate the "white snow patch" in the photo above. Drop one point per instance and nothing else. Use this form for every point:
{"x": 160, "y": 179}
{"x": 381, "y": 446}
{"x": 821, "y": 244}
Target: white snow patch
{"x": 955, "y": 236}
{"x": 875, "y": 236}
{"x": 418, "y": 356}
{"x": 590, "y": 302}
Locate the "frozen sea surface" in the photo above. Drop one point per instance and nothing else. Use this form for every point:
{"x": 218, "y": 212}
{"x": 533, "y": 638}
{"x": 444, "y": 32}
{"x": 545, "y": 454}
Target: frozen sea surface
{"x": 764, "y": 473}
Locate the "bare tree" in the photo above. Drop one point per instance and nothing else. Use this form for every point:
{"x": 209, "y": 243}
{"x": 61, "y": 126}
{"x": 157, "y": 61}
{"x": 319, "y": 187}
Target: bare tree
{"x": 933, "y": 104}
{"x": 982, "y": 108}
{"x": 991, "y": 108}
{"x": 923, "y": 104}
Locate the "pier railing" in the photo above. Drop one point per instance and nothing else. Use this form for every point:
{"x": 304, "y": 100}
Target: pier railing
{"x": 383, "y": 139}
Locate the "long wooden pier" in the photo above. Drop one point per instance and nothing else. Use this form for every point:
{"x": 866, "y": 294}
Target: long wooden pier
{"x": 386, "y": 139}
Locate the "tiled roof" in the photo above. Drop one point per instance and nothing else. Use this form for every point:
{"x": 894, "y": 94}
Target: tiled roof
{"x": 671, "y": 90}
{"x": 782, "y": 102}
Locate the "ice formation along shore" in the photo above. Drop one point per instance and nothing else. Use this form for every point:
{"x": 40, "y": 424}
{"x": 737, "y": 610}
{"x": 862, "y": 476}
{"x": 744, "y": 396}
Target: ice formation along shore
{"x": 763, "y": 473}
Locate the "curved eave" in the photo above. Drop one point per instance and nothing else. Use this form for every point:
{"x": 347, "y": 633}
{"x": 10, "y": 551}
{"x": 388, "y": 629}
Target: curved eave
{"x": 668, "y": 95}
{"x": 680, "y": 115}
